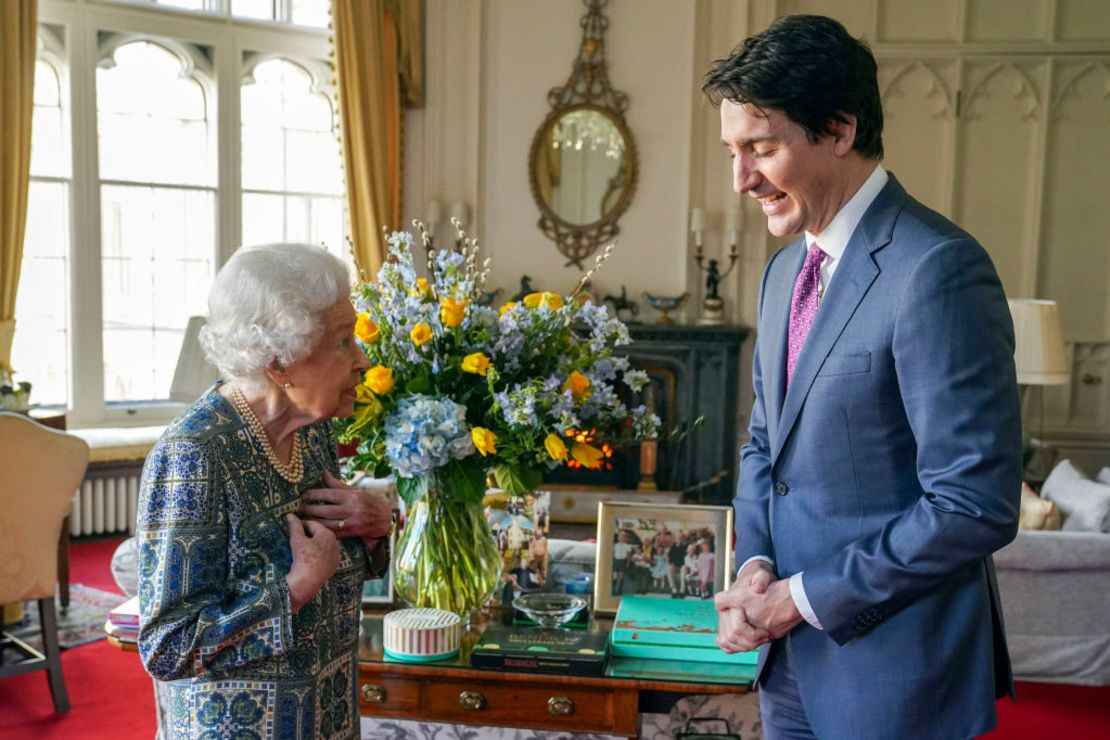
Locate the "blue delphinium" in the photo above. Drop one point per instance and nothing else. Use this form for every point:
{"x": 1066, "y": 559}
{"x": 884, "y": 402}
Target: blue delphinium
{"x": 425, "y": 432}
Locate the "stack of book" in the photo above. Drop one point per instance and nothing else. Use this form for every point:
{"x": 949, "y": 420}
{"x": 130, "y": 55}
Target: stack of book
{"x": 575, "y": 652}
{"x": 666, "y": 629}
{"x": 123, "y": 621}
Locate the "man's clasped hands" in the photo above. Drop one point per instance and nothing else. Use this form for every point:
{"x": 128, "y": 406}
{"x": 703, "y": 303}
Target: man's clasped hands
{"x": 756, "y": 609}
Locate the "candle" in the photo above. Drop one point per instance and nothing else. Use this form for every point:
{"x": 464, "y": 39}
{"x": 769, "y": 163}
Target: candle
{"x": 458, "y": 210}
{"x": 435, "y": 213}
{"x": 697, "y": 225}
{"x": 697, "y": 220}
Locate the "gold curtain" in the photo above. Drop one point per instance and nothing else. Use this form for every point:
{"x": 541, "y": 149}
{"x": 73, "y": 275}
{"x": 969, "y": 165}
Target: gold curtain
{"x": 379, "y": 67}
{"x": 17, "y": 87}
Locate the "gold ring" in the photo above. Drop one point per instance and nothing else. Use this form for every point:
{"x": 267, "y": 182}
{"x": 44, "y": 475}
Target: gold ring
{"x": 340, "y": 524}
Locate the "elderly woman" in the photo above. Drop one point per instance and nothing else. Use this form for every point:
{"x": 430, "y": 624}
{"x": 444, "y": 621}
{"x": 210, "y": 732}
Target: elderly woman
{"x": 252, "y": 551}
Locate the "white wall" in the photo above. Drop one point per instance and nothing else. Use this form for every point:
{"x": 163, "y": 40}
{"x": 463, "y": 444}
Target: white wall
{"x": 527, "y": 48}
{"x": 996, "y": 116}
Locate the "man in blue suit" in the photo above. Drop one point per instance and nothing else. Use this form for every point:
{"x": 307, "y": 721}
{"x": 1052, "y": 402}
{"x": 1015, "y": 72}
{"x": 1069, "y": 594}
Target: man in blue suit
{"x": 884, "y": 465}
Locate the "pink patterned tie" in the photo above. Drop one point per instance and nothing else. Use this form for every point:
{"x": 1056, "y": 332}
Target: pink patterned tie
{"x": 803, "y": 307}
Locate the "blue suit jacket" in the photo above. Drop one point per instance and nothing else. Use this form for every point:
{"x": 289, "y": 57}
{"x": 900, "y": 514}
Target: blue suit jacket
{"x": 888, "y": 473}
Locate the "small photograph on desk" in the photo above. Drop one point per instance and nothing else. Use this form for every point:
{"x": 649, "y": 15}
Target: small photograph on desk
{"x": 662, "y": 551}
{"x": 520, "y": 525}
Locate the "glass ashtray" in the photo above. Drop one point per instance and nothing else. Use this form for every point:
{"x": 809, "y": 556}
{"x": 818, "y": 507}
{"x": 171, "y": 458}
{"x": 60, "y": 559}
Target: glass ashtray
{"x": 549, "y": 609}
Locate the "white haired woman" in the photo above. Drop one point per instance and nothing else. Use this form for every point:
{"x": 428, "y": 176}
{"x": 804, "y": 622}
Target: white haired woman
{"x": 252, "y": 551}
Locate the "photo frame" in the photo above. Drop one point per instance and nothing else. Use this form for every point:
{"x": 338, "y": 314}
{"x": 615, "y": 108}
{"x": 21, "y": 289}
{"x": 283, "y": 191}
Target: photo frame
{"x": 520, "y": 525}
{"x": 379, "y": 591}
{"x": 639, "y": 547}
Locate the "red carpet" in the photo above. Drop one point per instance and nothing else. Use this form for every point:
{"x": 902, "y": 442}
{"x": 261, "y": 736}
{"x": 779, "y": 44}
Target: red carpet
{"x": 110, "y": 694}
{"x": 113, "y": 698}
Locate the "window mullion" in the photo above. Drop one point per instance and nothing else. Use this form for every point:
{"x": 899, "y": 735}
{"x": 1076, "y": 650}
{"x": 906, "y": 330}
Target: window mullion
{"x": 229, "y": 202}
{"x": 86, "y": 360}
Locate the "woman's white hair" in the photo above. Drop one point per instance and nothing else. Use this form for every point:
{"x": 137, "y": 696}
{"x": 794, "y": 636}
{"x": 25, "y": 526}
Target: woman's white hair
{"x": 267, "y": 305}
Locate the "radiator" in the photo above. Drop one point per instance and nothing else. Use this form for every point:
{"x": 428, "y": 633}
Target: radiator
{"x": 105, "y": 505}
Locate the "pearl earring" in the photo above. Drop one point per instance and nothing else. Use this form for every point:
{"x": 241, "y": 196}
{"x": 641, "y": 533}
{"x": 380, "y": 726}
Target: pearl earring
{"x": 287, "y": 385}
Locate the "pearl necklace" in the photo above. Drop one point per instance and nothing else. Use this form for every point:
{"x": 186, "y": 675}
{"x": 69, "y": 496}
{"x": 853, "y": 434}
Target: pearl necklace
{"x": 294, "y": 470}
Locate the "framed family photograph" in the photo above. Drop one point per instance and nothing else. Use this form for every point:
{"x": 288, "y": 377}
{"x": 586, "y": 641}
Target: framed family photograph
{"x": 380, "y": 590}
{"x": 520, "y": 524}
{"x": 666, "y": 551}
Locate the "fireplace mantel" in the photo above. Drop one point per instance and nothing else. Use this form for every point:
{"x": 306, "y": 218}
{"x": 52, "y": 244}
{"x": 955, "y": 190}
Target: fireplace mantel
{"x": 699, "y": 367}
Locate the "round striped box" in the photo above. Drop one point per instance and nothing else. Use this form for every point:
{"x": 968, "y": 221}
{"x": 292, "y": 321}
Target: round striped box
{"x": 418, "y": 635}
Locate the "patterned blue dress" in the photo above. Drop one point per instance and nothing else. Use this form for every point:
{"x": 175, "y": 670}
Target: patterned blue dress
{"x": 216, "y": 623}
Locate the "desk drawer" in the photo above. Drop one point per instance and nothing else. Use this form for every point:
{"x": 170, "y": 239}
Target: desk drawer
{"x": 493, "y": 703}
{"x": 384, "y": 694}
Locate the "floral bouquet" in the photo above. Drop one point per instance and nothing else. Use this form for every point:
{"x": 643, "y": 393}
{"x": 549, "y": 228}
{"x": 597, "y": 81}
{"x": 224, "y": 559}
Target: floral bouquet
{"x": 459, "y": 393}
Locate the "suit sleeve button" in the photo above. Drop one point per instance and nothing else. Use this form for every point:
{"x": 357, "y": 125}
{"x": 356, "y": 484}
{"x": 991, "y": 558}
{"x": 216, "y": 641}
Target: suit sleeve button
{"x": 781, "y": 488}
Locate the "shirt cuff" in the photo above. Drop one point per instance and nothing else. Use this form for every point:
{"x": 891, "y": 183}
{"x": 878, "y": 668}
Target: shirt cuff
{"x": 798, "y": 593}
{"x": 764, "y": 558}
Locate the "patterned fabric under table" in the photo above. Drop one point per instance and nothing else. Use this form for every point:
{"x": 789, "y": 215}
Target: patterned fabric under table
{"x": 216, "y": 622}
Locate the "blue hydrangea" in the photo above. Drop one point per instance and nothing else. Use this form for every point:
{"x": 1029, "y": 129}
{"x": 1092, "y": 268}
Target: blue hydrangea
{"x": 424, "y": 433}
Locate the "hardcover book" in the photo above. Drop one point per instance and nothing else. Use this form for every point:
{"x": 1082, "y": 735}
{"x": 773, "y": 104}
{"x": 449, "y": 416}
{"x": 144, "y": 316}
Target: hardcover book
{"x": 671, "y": 629}
{"x": 126, "y": 614}
{"x": 538, "y": 650}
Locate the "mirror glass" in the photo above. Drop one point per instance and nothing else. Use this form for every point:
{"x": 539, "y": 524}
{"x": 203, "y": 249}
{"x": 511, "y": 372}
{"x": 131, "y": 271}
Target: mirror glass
{"x": 580, "y": 165}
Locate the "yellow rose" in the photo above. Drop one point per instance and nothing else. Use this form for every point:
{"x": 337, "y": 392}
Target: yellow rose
{"x": 420, "y": 334}
{"x": 366, "y": 330}
{"x": 555, "y": 447}
{"x": 452, "y": 312}
{"x": 579, "y": 386}
{"x": 421, "y": 288}
{"x": 379, "y": 379}
{"x": 501, "y": 311}
{"x": 484, "y": 440}
{"x": 554, "y": 301}
{"x": 589, "y": 456}
{"x": 476, "y": 363}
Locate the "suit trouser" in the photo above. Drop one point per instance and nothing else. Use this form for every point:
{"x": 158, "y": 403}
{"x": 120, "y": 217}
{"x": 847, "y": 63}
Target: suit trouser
{"x": 780, "y": 705}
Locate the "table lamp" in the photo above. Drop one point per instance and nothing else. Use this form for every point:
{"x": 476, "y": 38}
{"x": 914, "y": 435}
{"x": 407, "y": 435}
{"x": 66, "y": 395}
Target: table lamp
{"x": 1040, "y": 360}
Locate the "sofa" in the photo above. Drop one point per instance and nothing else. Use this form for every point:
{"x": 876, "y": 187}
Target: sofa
{"x": 1054, "y": 580}
{"x": 1055, "y": 591}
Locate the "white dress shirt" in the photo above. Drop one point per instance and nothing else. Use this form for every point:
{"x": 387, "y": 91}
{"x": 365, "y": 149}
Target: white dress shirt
{"x": 833, "y": 242}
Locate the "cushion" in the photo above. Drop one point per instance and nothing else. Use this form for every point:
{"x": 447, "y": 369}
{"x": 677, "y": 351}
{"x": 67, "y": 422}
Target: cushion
{"x": 1103, "y": 476}
{"x": 1084, "y": 503}
{"x": 1036, "y": 512}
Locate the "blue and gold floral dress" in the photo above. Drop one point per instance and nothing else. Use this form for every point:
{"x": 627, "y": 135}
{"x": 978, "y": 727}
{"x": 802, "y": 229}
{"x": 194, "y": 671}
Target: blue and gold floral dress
{"x": 216, "y": 623}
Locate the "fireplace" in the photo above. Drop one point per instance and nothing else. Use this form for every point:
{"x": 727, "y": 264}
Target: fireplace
{"x": 692, "y": 371}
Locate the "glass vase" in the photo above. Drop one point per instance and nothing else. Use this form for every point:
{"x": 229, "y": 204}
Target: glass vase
{"x": 446, "y": 556}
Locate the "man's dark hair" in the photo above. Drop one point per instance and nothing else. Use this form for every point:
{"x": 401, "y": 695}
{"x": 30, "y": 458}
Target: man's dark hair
{"x": 810, "y": 68}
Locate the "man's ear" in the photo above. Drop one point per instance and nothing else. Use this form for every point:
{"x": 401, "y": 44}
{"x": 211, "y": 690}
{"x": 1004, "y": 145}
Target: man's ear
{"x": 843, "y": 134}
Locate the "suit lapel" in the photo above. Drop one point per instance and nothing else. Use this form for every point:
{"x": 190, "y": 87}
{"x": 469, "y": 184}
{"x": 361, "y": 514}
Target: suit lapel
{"x": 850, "y": 283}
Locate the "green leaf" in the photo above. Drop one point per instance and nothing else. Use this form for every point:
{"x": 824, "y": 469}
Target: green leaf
{"x": 465, "y": 478}
{"x": 517, "y": 479}
{"x": 411, "y": 489}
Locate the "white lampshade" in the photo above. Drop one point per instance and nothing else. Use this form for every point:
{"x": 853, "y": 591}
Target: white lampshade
{"x": 1038, "y": 343}
{"x": 193, "y": 375}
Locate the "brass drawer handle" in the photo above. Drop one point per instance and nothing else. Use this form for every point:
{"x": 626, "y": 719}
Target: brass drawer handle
{"x": 373, "y": 693}
{"x": 560, "y": 706}
{"x": 472, "y": 700}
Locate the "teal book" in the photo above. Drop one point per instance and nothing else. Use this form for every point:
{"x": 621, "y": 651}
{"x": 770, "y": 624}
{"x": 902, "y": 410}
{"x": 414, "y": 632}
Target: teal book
{"x": 539, "y": 650}
{"x": 670, "y": 629}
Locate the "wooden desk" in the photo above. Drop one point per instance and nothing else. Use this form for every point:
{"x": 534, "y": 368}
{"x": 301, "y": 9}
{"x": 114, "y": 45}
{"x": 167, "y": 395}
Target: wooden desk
{"x": 452, "y": 691}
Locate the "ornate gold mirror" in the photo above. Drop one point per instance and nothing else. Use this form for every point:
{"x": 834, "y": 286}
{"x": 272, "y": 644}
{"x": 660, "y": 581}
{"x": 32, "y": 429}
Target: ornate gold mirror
{"x": 582, "y": 166}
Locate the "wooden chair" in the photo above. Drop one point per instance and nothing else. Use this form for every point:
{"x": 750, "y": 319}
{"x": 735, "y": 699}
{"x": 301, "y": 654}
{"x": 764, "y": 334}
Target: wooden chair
{"x": 41, "y": 469}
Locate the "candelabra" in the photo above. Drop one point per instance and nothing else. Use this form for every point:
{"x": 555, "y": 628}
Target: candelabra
{"x": 713, "y": 306}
